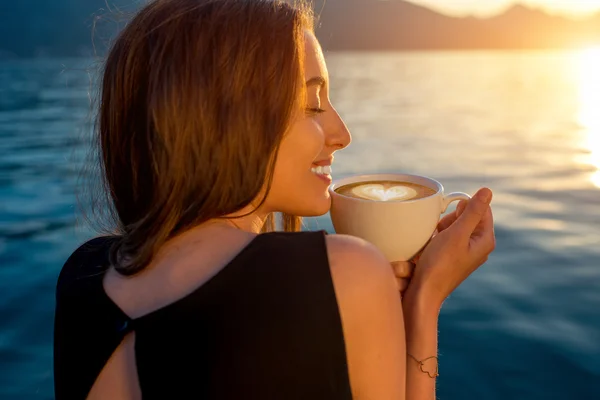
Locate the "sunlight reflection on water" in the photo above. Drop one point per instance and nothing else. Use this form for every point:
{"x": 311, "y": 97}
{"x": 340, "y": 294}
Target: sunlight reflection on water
{"x": 588, "y": 65}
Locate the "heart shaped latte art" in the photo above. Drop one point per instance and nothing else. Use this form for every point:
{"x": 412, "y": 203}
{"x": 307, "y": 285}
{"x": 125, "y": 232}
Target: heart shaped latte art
{"x": 377, "y": 192}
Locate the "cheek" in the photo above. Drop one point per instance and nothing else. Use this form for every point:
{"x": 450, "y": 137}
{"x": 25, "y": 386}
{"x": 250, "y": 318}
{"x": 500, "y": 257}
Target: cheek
{"x": 313, "y": 137}
{"x": 294, "y": 185}
{"x": 303, "y": 144}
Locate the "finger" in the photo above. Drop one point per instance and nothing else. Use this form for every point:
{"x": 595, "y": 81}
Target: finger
{"x": 474, "y": 211}
{"x": 460, "y": 207}
{"x": 402, "y": 284}
{"x": 484, "y": 234}
{"x": 403, "y": 269}
{"x": 451, "y": 218}
{"x": 446, "y": 222}
{"x": 486, "y": 225}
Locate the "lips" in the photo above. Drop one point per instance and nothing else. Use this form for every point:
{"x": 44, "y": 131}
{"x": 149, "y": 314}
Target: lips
{"x": 324, "y": 163}
{"x": 322, "y": 169}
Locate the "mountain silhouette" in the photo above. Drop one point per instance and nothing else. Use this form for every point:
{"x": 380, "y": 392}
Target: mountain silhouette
{"x": 397, "y": 24}
{"x": 82, "y": 27}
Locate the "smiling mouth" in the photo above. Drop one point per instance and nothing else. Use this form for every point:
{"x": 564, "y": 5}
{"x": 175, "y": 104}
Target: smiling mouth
{"x": 323, "y": 170}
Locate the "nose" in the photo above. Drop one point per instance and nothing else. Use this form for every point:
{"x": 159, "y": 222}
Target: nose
{"x": 337, "y": 135}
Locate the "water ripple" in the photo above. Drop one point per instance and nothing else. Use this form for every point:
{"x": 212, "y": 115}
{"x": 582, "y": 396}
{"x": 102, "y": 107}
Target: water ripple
{"x": 526, "y": 325}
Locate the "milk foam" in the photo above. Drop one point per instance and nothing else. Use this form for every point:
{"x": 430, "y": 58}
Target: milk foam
{"x": 378, "y": 192}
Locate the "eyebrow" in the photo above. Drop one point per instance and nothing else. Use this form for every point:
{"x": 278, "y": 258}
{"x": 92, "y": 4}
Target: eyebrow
{"x": 317, "y": 80}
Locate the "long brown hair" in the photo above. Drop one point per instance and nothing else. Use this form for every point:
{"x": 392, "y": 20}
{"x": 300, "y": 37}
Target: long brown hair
{"x": 195, "y": 98}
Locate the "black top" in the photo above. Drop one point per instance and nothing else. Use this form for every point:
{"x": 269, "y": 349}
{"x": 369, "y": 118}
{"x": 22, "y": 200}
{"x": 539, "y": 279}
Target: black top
{"x": 267, "y": 326}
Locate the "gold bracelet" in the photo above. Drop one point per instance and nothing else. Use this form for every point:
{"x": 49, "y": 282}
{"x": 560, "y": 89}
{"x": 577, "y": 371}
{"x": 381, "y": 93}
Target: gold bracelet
{"x": 422, "y": 364}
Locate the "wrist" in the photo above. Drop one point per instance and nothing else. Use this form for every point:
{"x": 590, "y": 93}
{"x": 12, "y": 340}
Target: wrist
{"x": 420, "y": 324}
{"x": 419, "y": 301}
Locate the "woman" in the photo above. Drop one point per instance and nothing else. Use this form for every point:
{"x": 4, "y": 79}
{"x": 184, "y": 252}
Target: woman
{"x": 214, "y": 116}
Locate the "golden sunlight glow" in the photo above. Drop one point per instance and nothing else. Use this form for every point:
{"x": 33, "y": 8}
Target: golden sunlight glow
{"x": 486, "y": 8}
{"x": 569, "y": 7}
{"x": 589, "y": 105}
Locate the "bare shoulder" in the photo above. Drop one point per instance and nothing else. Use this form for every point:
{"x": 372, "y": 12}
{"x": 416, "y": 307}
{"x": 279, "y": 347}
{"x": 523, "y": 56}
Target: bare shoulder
{"x": 372, "y": 321}
{"x": 356, "y": 259}
{"x": 362, "y": 277}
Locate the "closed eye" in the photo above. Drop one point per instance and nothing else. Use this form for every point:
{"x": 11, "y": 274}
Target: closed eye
{"x": 315, "y": 111}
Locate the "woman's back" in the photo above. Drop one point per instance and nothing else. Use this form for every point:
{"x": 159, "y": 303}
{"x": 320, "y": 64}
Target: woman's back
{"x": 266, "y": 325}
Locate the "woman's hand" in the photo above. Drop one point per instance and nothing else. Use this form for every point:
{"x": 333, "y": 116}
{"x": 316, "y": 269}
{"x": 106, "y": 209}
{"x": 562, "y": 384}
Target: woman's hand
{"x": 404, "y": 269}
{"x": 464, "y": 241}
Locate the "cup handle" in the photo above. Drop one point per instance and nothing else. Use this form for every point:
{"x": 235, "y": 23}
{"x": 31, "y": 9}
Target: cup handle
{"x": 453, "y": 197}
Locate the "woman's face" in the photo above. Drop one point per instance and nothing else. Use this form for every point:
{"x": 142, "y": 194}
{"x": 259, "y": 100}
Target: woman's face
{"x": 302, "y": 170}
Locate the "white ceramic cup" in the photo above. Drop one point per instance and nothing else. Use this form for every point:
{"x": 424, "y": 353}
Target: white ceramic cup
{"x": 401, "y": 228}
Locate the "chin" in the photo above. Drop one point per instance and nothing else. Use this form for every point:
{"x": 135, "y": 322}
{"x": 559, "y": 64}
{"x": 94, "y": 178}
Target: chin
{"x": 313, "y": 202}
{"x": 319, "y": 206}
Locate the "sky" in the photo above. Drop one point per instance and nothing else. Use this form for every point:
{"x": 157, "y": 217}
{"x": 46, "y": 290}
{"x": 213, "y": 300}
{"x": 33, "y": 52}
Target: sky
{"x": 490, "y": 7}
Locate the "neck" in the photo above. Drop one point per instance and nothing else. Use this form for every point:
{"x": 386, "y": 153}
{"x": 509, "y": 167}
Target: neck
{"x": 252, "y": 222}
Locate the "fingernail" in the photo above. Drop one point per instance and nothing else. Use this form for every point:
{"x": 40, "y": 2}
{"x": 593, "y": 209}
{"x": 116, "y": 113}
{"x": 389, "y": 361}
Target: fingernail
{"x": 486, "y": 195}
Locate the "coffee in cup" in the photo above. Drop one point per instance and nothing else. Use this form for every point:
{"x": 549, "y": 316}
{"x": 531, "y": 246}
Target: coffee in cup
{"x": 386, "y": 190}
{"x": 398, "y": 213}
